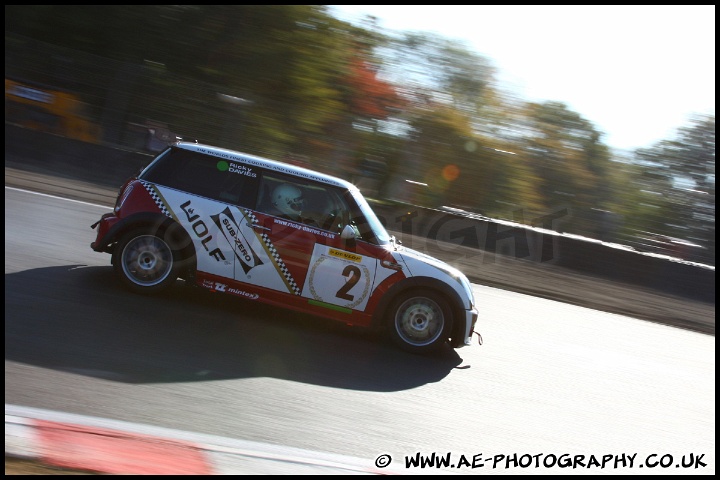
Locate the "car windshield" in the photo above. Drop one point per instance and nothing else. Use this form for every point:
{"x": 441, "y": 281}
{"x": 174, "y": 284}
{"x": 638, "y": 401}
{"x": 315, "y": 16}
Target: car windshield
{"x": 371, "y": 229}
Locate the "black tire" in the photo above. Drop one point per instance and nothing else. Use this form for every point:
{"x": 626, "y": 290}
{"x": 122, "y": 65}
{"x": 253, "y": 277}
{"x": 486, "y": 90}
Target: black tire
{"x": 145, "y": 262}
{"x": 420, "y": 321}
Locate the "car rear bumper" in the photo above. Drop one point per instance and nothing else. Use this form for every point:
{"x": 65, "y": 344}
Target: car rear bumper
{"x": 102, "y": 239}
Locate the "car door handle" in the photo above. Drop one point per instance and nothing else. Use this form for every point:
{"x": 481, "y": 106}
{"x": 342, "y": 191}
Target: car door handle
{"x": 259, "y": 227}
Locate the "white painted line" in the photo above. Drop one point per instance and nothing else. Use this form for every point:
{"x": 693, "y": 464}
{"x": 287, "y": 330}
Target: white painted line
{"x": 20, "y": 437}
{"x": 57, "y": 198}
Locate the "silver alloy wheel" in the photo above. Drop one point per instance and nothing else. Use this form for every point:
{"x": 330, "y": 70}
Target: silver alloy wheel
{"x": 419, "y": 321}
{"x": 146, "y": 260}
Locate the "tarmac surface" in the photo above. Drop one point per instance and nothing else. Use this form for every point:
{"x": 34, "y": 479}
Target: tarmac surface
{"x": 522, "y": 276}
{"x": 19, "y": 466}
{"x": 542, "y": 280}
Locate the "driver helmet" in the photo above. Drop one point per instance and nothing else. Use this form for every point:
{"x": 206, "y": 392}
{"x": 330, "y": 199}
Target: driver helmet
{"x": 289, "y": 200}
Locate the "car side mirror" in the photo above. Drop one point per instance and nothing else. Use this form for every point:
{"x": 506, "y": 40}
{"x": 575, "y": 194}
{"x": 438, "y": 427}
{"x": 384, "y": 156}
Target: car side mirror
{"x": 349, "y": 235}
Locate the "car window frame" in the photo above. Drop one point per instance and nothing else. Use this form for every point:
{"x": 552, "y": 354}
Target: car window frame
{"x": 270, "y": 179}
{"x": 247, "y": 175}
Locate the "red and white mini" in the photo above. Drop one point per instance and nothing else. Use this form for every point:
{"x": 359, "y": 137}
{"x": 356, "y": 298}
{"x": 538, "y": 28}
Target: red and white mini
{"x": 287, "y": 236}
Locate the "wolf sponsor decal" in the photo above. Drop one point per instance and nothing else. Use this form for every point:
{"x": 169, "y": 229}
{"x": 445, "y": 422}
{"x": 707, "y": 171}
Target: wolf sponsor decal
{"x": 201, "y": 230}
{"x": 213, "y": 253}
{"x": 227, "y": 245}
{"x": 233, "y": 234}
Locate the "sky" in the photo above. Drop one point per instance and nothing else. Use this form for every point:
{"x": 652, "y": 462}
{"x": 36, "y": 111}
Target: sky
{"x": 638, "y": 73}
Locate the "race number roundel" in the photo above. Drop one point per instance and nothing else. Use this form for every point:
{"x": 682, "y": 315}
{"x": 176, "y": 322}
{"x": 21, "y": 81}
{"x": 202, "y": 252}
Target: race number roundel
{"x": 339, "y": 277}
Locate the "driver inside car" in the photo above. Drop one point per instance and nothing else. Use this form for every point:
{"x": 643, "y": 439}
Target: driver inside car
{"x": 288, "y": 200}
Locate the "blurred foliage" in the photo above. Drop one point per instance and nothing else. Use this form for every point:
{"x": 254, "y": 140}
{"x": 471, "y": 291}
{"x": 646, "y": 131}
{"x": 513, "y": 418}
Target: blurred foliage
{"x": 677, "y": 183}
{"x": 569, "y": 161}
{"x": 410, "y": 117}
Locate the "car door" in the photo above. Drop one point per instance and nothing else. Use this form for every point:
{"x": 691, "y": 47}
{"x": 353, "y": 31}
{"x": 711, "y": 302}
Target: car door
{"x": 306, "y": 249}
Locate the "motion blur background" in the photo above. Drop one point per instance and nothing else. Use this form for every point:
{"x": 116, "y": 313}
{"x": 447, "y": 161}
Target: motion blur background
{"x": 409, "y": 117}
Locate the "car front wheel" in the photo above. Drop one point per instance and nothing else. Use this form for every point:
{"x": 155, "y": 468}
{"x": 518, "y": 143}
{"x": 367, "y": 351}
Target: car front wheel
{"x": 145, "y": 262}
{"x": 420, "y": 321}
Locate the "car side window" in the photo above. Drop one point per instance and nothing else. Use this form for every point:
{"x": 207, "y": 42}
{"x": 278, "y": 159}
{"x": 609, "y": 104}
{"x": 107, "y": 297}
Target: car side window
{"x": 311, "y": 203}
{"x": 368, "y": 227}
{"x": 205, "y": 175}
{"x": 325, "y": 206}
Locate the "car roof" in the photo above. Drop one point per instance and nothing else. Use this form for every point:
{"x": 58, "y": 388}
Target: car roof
{"x": 266, "y": 163}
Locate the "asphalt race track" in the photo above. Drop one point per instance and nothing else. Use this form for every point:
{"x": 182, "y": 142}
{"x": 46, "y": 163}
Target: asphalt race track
{"x": 552, "y": 380}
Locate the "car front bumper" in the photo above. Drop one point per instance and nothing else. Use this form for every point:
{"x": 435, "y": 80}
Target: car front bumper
{"x": 471, "y": 317}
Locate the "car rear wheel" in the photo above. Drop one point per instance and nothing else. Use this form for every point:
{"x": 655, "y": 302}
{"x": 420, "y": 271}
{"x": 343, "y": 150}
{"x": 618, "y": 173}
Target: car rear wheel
{"x": 145, "y": 262}
{"x": 420, "y": 321}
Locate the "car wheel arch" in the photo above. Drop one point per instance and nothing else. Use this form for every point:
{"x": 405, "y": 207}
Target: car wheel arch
{"x": 453, "y": 299}
{"x": 181, "y": 242}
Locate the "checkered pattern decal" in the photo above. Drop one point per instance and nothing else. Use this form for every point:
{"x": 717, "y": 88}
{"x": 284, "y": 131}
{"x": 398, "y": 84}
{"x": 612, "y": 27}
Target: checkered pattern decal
{"x": 274, "y": 256}
{"x": 159, "y": 200}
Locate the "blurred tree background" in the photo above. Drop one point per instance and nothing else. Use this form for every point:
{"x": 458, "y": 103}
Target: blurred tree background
{"x": 409, "y": 117}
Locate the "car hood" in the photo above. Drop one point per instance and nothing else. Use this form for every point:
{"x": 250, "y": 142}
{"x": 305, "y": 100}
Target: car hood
{"x": 418, "y": 262}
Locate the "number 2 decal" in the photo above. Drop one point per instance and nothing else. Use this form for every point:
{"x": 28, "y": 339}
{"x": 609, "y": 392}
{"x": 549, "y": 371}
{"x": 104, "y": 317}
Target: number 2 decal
{"x": 338, "y": 277}
{"x": 353, "y": 273}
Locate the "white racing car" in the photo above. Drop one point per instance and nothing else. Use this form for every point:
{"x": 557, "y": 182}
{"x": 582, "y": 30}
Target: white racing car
{"x": 271, "y": 232}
